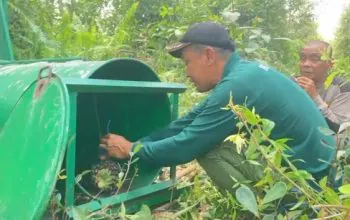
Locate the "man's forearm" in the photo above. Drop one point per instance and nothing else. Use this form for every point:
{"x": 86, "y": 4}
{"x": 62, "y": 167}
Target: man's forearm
{"x": 332, "y": 119}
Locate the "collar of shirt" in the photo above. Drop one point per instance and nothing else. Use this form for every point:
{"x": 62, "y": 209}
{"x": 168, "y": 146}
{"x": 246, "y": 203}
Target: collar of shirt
{"x": 321, "y": 90}
{"x": 231, "y": 62}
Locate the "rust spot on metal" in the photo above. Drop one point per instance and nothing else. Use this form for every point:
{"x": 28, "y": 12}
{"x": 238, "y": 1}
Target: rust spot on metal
{"x": 43, "y": 80}
{"x": 39, "y": 88}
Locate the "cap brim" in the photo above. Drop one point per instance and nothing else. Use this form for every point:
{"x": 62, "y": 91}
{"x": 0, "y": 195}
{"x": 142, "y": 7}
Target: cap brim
{"x": 176, "y": 49}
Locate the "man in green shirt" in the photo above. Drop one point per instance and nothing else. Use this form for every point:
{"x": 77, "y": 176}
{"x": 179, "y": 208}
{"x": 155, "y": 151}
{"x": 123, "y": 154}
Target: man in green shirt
{"x": 213, "y": 65}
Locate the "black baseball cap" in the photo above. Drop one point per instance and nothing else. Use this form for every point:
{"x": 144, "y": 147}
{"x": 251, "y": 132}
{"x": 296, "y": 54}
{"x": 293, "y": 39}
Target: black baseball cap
{"x": 206, "y": 33}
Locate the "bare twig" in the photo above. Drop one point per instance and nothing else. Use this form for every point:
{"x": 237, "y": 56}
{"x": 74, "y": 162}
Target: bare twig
{"x": 164, "y": 207}
{"x": 132, "y": 179}
{"x": 189, "y": 208}
{"x": 125, "y": 175}
{"x": 332, "y": 206}
{"x": 330, "y": 217}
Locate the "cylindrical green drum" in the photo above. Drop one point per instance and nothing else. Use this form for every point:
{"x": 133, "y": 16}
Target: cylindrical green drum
{"x": 34, "y": 129}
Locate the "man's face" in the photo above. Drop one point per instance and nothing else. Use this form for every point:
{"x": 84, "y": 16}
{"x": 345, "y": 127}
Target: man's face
{"x": 198, "y": 68}
{"x": 315, "y": 63}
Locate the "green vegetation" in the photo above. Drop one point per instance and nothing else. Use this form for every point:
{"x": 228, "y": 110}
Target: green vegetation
{"x": 342, "y": 42}
{"x": 102, "y": 29}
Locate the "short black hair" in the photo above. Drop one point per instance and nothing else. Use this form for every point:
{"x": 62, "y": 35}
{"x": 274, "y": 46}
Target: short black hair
{"x": 325, "y": 44}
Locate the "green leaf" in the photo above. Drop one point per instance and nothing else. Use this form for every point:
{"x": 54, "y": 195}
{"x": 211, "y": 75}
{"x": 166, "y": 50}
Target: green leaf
{"x": 137, "y": 148}
{"x": 122, "y": 210}
{"x": 294, "y": 215}
{"x": 276, "y": 192}
{"x": 267, "y": 126}
{"x": 252, "y": 37}
{"x": 269, "y": 217}
{"x": 178, "y": 33}
{"x": 347, "y": 172}
{"x": 300, "y": 202}
{"x": 323, "y": 182}
{"x": 239, "y": 140}
{"x": 247, "y": 198}
{"x": 144, "y": 213}
{"x": 331, "y": 196}
{"x": 251, "y": 152}
{"x": 304, "y": 217}
{"x": 283, "y": 140}
{"x": 257, "y": 32}
{"x": 346, "y": 202}
{"x": 345, "y": 189}
{"x": 303, "y": 174}
{"x": 266, "y": 38}
{"x": 250, "y": 116}
{"x": 280, "y": 217}
{"x": 278, "y": 158}
{"x": 252, "y": 46}
{"x": 231, "y": 16}
{"x": 79, "y": 213}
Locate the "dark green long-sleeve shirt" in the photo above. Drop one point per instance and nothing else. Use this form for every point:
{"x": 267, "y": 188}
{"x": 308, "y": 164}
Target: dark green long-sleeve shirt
{"x": 273, "y": 96}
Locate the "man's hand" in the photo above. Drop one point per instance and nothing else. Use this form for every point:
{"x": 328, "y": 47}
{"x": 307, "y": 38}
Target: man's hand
{"x": 117, "y": 146}
{"x": 308, "y": 85}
